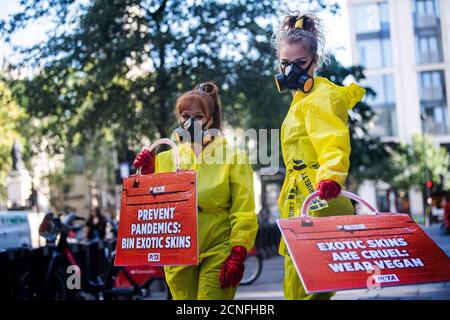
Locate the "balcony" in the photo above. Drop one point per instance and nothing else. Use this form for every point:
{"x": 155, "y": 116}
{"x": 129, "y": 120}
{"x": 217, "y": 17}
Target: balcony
{"x": 426, "y": 21}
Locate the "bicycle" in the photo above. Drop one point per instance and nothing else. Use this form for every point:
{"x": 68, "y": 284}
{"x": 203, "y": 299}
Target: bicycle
{"x": 146, "y": 282}
{"x": 54, "y": 284}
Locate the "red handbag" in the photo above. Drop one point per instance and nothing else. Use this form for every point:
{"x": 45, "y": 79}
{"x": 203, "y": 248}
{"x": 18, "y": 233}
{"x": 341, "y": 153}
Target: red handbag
{"x": 158, "y": 217}
{"x": 365, "y": 251}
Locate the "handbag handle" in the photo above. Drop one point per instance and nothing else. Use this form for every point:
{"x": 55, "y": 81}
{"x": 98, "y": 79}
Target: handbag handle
{"x": 170, "y": 143}
{"x": 346, "y": 194}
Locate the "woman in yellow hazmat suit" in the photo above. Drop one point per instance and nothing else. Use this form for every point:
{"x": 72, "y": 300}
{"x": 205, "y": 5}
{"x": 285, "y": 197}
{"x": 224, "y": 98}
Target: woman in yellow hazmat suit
{"x": 314, "y": 135}
{"x": 227, "y": 223}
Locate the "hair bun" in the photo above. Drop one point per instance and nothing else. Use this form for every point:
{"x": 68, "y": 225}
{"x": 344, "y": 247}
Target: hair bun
{"x": 309, "y": 22}
{"x": 297, "y": 27}
{"x": 211, "y": 90}
{"x": 290, "y": 22}
{"x": 208, "y": 87}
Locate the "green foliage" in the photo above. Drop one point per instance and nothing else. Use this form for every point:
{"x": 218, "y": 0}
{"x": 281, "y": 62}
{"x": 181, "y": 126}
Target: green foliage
{"x": 92, "y": 81}
{"x": 120, "y": 64}
{"x": 93, "y": 78}
{"x": 418, "y": 162}
{"x": 11, "y": 116}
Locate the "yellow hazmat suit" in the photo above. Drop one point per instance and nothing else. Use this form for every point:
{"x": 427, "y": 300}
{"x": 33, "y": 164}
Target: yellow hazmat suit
{"x": 226, "y": 216}
{"x": 315, "y": 143}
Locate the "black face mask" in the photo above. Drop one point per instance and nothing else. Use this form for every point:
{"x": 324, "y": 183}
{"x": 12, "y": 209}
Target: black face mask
{"x": 193, "y": 131}
{"x": 294, "y": 78}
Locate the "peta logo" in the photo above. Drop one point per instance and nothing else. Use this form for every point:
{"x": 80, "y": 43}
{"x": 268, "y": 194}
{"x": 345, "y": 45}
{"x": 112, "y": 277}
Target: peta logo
{"x": 383, "y": 278}
{"x": 153, "y": 257}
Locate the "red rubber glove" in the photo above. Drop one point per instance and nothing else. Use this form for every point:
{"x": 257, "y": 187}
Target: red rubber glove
{"x": 146, "y": 160}
{"x": 232, "y": 270}
{"x": 329, "y": 189}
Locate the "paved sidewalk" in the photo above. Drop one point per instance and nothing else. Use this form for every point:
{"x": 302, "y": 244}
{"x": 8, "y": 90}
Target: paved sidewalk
{"x": 269, "y": 285}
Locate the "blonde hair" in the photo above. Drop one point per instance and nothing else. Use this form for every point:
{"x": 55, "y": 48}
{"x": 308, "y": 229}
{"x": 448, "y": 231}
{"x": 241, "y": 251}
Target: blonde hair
{"x": 310, "y": 34}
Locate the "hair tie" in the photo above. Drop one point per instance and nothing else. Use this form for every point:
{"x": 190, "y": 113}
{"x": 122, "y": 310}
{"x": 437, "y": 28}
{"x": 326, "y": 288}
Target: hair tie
{"x": 299, "y": 24}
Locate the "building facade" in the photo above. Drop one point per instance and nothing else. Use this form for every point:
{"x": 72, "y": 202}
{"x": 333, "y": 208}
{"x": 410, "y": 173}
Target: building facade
{"x": 405, "y": 47}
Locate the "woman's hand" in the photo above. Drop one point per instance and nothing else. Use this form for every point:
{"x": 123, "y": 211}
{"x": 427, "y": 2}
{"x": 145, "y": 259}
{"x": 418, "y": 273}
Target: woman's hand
{"x": 146, "y": 160}
{"x": 329, "y": 189}
{"x": 232, "y": 270}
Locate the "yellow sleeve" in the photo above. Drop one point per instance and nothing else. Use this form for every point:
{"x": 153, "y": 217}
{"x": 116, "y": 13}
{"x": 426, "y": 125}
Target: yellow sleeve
{"x": 244, "y": 224}
{"x": 157, "y": 165}
{"x": 164, "y": 162}
{"x": 326, "y": 126}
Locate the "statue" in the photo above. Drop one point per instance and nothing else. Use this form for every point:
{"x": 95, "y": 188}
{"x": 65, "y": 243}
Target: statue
{"x": 18, "y": 181}
{"x": 16, "y": 154}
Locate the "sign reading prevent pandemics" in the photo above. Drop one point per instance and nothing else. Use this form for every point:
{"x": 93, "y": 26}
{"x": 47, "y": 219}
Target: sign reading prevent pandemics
{"x": 354, "y": 252}
{"x": 158, "y": 220}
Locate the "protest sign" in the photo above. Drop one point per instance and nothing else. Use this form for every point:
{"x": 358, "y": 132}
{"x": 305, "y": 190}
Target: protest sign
{"x": 354, "y": 252}
{"x": 158, "y": 220}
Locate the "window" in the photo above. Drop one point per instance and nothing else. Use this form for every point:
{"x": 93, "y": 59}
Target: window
{"x": 373, "y": 35}
{"x": 389, "y": 200}
{"x": 429, "y": 49}
{"x": 372, "y": 18}
{"x": 431, "y": 86}
{"x": 427, "y": 31}
{"x": 375, "y": 53}
{"x": 446, "y": 146}
{"x": 426, "y": 13}
{"x": 382, "y": 200}
{"x": 383, "y": 104}
{"x": 433, "y": 102}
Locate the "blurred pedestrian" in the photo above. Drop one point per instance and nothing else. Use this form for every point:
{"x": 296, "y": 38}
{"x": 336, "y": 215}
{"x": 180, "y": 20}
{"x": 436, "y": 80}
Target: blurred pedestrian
{"x": 315, "y": 139}
{"x": 96, "y": 225}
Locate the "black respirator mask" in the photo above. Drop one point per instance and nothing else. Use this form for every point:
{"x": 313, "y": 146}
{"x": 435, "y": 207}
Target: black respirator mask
{"x": 193, "y": 131}
{"x": 294, "y": 78}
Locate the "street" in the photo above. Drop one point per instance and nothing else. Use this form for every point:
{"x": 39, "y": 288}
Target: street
{"x": 270, "y": 284}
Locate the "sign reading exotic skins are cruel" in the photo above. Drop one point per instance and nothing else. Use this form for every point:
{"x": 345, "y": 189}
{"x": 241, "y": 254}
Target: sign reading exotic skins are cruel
{"x": 354, "y": 252}
{"x": 158, "y": 220}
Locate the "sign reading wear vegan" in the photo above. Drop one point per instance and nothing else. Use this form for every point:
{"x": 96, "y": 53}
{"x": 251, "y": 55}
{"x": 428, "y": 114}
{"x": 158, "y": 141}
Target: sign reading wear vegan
{"x": 158, "y": 218}
{"x": 355, "y": 252}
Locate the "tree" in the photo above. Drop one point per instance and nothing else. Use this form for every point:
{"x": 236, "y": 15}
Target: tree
{"x": 115, "y": 67}
{"x": 416, "y": 163}
{"x": 11, "y": 118}
{"x": 92, "y": 75}
{"x": 110, "y": 74}
{"x": 120, "y": 64}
